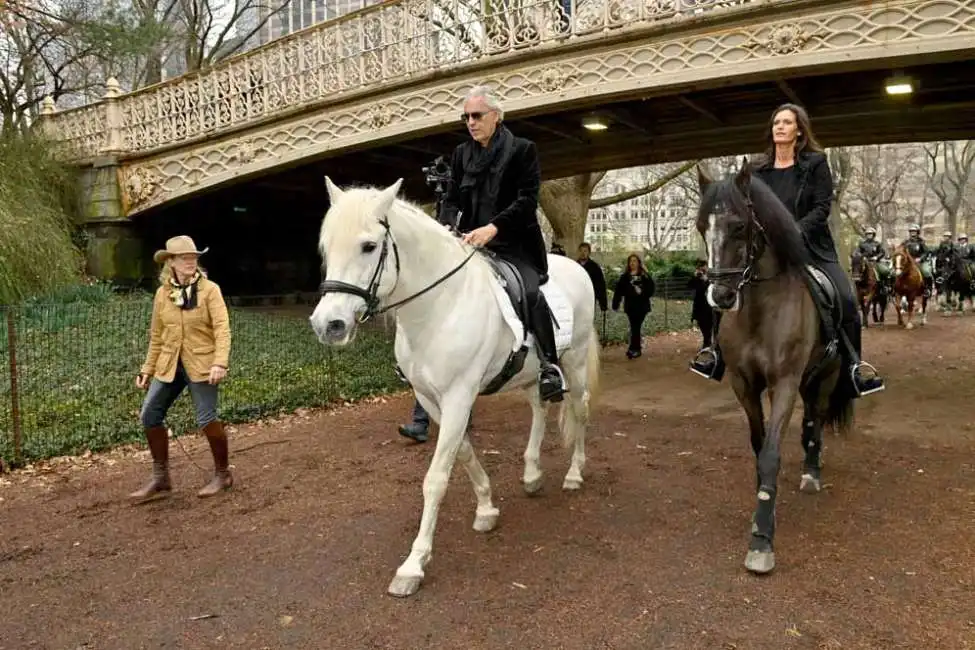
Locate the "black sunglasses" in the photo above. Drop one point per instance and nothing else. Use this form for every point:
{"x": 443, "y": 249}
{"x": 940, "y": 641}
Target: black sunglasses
{"x": 477, "y": 115}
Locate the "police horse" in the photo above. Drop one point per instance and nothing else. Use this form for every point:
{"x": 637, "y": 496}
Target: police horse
{"x": 909, "y": 285}
{"x": 460, "y": 333}
{"x": 955, "y": 278}
{"x": 871, "y": 293}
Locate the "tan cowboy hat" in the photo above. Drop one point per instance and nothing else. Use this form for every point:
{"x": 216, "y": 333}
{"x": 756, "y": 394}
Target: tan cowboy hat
{"x": 180, "y": 245}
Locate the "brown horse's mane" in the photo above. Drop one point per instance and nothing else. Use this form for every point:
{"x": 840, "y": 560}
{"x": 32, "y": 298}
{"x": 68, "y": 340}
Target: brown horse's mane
{"x": 782, "y": 233}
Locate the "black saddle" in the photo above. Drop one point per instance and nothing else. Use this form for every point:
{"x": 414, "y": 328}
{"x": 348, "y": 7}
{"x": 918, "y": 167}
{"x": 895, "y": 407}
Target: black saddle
{"x": 824, "y": 295}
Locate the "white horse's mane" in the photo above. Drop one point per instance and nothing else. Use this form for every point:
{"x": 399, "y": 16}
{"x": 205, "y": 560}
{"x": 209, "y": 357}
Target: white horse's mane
{"x": 355, "y": 213}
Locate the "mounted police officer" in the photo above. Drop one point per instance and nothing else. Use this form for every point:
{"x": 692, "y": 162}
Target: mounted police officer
{"x": 946, "y": 245}
{"x": 493, "y": 199}
{"x": 871, "y": 250}
{"x": 965, "y": 250}
{"x": 918, "y": 250}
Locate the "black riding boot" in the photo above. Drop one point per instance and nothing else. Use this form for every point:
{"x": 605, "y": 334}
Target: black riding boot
{"x": 864, "y": 385}
{"x": 709, "y": 363}
{"x": 551, "y": 383}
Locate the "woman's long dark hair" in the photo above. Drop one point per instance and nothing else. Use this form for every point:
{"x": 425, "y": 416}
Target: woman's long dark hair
{"x": 639, "y": 264}
{"x": 806, "y": 141}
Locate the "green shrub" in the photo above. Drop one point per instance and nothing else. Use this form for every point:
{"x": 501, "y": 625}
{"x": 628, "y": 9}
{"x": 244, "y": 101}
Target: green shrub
{"x": 37, "y": 196}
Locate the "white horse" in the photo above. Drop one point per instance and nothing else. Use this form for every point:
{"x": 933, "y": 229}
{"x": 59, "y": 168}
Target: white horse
{"x": 454, "y": 334}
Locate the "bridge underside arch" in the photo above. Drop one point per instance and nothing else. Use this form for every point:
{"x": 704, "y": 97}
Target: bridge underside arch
{"x": 701, "y": 88}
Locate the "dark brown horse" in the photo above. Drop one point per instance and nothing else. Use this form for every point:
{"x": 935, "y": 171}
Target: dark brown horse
{"x": 870, "y": 295}
{"x": 770, "y": 335}
{"x": 908, "y": 286}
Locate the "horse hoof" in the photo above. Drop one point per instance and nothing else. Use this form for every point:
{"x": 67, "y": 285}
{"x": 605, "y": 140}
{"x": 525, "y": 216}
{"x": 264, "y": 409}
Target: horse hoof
{"x": 760, "y": 562}
{"x": 533, "y": 487}
{"x": 809, "y": 484}
{"x": 403, "y": 586}
{"x": 485, "y": 522}
{"x": 572, "y": 484}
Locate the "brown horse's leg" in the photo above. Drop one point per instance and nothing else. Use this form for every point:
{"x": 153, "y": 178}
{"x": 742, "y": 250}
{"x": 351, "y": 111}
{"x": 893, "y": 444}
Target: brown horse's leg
{"x": 761, "y": 554}
{"x": 815, "y": 400}
{"x": 749, "y": 394}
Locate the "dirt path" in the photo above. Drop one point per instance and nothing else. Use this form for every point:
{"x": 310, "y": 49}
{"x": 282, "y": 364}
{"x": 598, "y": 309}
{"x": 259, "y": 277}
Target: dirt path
{"x": 648, "y": 555}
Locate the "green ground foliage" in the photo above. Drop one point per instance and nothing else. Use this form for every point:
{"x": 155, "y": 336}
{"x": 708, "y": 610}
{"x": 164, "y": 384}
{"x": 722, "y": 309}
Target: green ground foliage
{"x": 77, "y": 354}
{"x": 37, "y": 254}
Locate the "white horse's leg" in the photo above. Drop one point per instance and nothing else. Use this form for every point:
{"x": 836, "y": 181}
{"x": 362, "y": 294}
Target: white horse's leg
{"x": 576, "y": 415}
{"x": 453, "y": 424}
{"x": 532, "y": 478}
{"x": 486, "y": 516}
{"x": 576, "y": 431}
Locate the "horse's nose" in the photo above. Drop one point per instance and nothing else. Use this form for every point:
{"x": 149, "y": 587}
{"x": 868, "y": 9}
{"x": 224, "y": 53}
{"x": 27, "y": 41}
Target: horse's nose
{"x": 335, "y": 329}
{"x": 722, "y": 297}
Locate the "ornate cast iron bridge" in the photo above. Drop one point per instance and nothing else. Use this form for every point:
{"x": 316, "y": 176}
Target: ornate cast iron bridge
{"x": 380, "y": 89}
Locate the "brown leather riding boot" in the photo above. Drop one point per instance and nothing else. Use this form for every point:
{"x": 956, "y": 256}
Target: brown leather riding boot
{"x": 159, "y": 485}
{"x": 222, "y": 479}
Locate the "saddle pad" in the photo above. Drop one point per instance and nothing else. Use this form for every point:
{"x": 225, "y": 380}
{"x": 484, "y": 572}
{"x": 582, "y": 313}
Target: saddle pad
{"x": 558, "y": 303}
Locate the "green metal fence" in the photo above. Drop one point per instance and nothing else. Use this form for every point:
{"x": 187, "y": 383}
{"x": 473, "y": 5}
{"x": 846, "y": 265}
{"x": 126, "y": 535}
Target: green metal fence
{"x": 67, "y": 370}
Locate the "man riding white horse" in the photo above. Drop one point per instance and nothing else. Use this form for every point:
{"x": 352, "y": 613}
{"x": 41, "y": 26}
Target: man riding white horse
{"x": 493, "y": 200}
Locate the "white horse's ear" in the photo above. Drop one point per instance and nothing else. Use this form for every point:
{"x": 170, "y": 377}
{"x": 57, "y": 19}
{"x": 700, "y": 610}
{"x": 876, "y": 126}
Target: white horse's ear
{"x": 334, "y": 193}
{"x": 387, "y": 196}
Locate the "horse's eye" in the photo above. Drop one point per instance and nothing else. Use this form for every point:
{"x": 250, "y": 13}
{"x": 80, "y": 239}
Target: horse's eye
{"x": 368, "y": 247}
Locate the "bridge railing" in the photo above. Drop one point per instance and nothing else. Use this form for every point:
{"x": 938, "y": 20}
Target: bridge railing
{"x": 394, "y": 42}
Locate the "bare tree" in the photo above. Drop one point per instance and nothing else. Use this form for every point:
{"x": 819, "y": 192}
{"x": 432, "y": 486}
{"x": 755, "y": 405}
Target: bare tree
{"x": 870, "y": 180}
{"x": 950, "y": 176}
{"x": 210, "y": 30}
{"x": 566, "y": 202}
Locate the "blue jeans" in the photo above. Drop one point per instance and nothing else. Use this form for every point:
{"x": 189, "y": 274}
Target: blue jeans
{"x": 420, "y": 415}
{"x": 161, "y": 396}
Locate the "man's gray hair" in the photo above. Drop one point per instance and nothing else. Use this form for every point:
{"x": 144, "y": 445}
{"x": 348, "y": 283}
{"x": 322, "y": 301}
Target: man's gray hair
{"x": 489, "y": 98}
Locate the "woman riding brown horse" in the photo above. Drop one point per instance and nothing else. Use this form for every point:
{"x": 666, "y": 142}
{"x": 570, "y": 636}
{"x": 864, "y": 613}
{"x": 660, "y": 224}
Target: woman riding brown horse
{"x": 790, "y": 324}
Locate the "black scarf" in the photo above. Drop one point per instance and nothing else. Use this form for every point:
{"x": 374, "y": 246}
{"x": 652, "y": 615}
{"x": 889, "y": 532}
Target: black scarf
{"x": 482, "y": 174}
{"x": 184, "y": 295}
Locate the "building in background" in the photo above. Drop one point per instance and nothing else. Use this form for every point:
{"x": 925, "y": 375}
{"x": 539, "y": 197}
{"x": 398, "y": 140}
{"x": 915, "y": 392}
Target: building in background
{"x": 292, "y": 15}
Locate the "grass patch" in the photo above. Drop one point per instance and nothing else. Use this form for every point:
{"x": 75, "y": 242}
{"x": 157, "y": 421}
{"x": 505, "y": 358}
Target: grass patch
{"x": 77, "y": 363}
{"x": 667, "y": 316}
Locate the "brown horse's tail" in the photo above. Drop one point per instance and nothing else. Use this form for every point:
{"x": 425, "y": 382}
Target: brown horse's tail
{"x": 839, "y": 414}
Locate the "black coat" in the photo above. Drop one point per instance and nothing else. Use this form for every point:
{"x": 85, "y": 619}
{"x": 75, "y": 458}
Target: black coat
{"x": 598, "y": 281}
{"x": 633, "y": 302}
{"x": 813, "y": 202}
{"x": 701, "y": 311}
{"x": 515, "y": 207}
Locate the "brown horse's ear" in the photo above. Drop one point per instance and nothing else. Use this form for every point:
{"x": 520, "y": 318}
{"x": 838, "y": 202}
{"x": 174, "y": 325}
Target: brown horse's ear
{"x": 744, "y": 176}
{"x": 703, "y": 178}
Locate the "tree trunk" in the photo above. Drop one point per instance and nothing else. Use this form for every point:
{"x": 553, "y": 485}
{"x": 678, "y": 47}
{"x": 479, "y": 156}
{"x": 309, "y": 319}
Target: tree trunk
{"x": 565, "y": 202}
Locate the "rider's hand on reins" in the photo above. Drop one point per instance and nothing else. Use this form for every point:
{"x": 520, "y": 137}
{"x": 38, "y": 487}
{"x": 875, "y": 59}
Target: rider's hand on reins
{"x": 481, "y": 236}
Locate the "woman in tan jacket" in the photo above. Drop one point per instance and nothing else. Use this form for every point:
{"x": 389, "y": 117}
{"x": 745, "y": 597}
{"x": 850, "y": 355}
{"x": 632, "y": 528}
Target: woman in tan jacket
{"x": 189, "y": 346}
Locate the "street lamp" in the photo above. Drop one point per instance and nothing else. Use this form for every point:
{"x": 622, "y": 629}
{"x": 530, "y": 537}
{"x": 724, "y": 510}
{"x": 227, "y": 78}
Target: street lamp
{"x": 899, "y": 85}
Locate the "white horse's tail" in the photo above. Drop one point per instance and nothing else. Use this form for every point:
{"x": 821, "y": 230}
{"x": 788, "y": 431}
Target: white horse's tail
{"x": 583, "y": 404}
